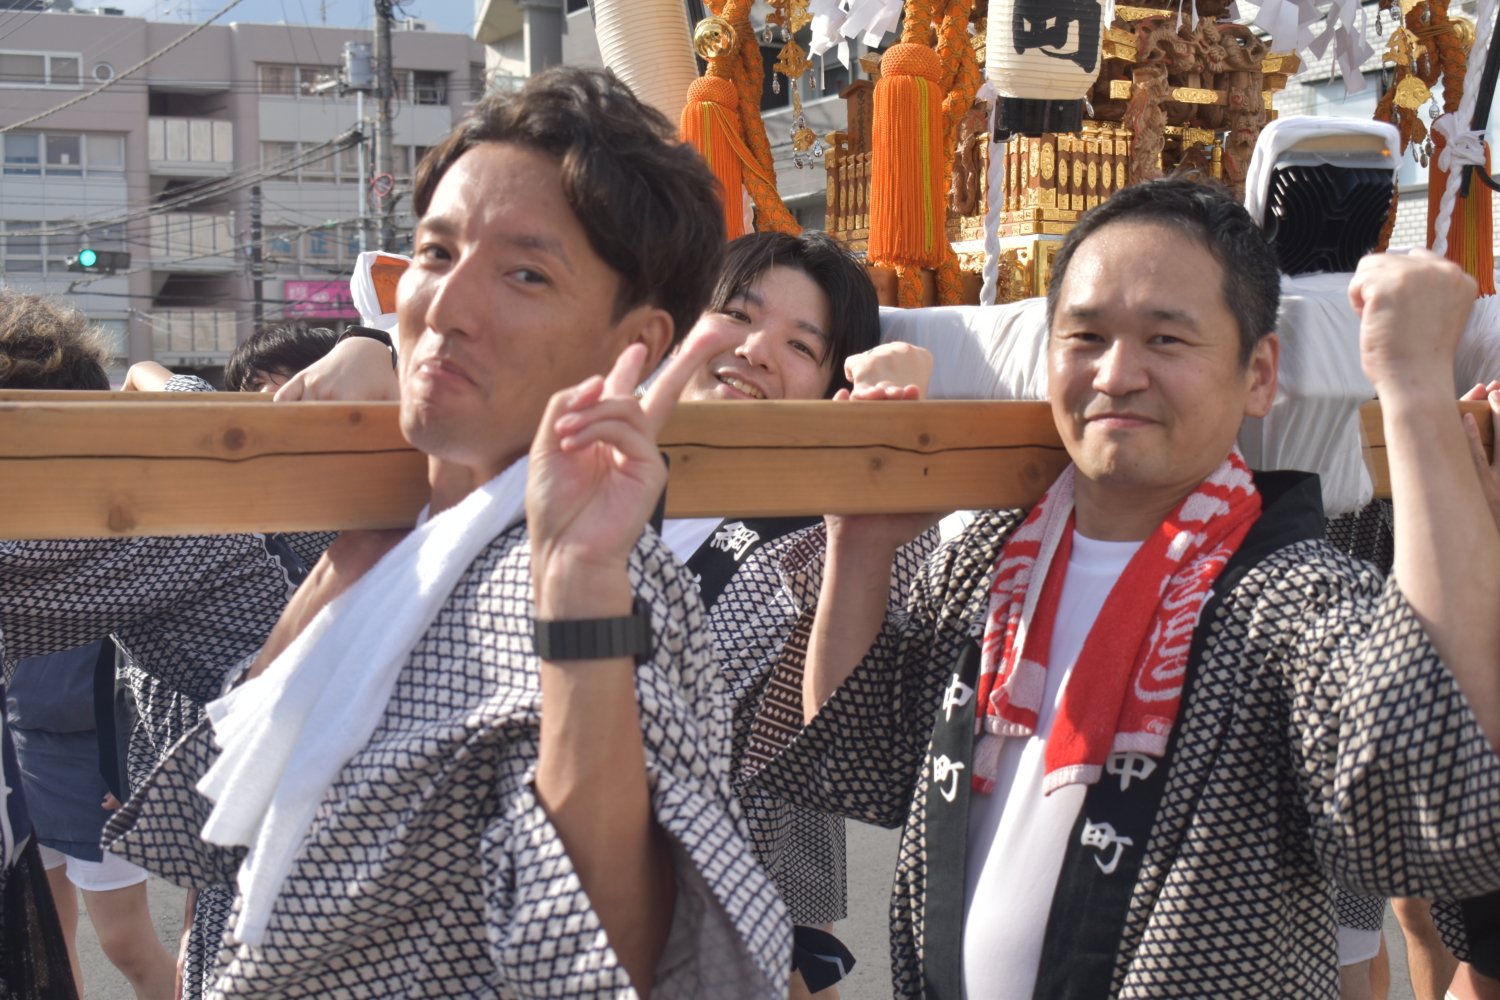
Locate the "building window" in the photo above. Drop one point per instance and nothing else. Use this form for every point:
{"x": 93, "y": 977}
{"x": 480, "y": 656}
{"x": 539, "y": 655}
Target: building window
{"x": 67, "y": 154}
{"x": 278, "y": 80}
{"x": 39, "y": 69}
{"x": 281, "y": 243}
{"x": 106, "y": 237}
{"x": 23, "y": 153}
{"x": 322, "y": 244}
{"x": 476, "y": 81}
{"x": 309, "y": 77}
{"x": 429, "y": 88}
{"x": 349, "y": 163}
{"x": 577, "y": 5}
{"x": 272, "y": 153}
{"x": 117, "y": 336}
{"x": 105, "y": 152}
{"x": 23, "y": 252}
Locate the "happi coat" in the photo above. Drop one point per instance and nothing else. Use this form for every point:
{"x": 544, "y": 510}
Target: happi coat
{"x": 1319, "y": 736}
{"x": 182, "y": 609}
{"x": 431, "y": 869}
{"x": 768, "y": 589}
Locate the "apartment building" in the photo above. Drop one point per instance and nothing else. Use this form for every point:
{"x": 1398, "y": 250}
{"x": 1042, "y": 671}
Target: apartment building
{"x": 125, "y": 169}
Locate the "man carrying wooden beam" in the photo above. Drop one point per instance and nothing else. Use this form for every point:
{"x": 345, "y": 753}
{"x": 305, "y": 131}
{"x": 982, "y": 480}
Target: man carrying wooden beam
{"x": 1133, "y": 732}
{"x": 399, "y": 814}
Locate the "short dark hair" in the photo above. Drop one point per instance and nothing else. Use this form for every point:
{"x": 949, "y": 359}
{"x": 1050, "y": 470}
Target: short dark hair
{"x": 648, "y": 202}
{"x": 1209, "y": 214}
{"x": 853, "y": 308}
{"x": 283, "y": 349}
{"x": 45, "y": 344}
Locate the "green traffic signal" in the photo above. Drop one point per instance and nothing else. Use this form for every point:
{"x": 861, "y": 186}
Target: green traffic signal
{"x": 88, "y": 258}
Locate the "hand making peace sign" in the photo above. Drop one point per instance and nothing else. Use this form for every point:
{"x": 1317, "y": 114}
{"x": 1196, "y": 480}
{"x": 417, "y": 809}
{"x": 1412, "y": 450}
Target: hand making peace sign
{"x": 596, "y": 474}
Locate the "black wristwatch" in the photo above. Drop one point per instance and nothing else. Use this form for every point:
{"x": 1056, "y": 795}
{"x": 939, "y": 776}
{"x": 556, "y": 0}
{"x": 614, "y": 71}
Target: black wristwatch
{"x": 372, "y": 334}
{"x": 595, "y": 638}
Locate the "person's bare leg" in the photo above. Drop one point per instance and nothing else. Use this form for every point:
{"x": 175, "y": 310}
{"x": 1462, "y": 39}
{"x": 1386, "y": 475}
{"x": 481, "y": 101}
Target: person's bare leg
{"x": 1380, "y": 972}
{"x": 1470, "y": 985}
{"x": 65, "y": 898}
{"x": 1354, "y": 981}
{"x": 122, "y": 919}
{"x": 1428, "y": 961}
{"x": 189, "y": 911}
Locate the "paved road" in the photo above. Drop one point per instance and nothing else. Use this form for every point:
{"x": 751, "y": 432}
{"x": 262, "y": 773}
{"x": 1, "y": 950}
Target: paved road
{"x": 872, "y": 860}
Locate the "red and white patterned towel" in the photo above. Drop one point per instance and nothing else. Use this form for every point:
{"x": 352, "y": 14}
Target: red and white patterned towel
{"x": 1126, "y": 685}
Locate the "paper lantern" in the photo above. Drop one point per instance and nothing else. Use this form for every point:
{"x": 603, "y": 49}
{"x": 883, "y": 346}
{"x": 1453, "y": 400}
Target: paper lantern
{"x": 648, "y": 46}
{"x": 1042, "y": 57}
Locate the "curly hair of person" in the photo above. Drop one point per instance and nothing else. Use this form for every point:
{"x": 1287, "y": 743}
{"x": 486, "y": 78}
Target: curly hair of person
{"x": 47, "y": 344}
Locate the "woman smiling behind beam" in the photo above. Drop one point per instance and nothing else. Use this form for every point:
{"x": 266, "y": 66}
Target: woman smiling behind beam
{"x": 808, "y": 325}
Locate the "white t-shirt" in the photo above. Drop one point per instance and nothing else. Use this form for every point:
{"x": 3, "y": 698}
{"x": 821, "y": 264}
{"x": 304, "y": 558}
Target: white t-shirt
{"x": 1017, "y": 835}
{"x": 683, "y": 535}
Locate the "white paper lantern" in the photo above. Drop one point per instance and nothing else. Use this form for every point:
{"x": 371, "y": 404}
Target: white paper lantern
{"x": 650, "y": 48}
{"x": 1042, "y": 57}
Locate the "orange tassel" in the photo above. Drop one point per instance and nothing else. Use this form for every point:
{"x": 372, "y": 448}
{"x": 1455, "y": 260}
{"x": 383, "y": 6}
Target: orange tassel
{"x": 708, "y": 122}
{"x": 1471, "y": 230}
{"x": 907, "y": 184}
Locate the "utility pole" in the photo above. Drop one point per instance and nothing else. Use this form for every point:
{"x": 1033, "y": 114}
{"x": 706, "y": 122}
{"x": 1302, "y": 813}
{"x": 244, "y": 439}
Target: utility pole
{"x": 385, "y": 91}
{"x": 257, "y": 272}
{"x": 359, "y": 76}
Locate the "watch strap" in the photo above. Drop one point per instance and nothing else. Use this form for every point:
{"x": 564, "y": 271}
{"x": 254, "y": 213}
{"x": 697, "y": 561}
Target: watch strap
{"x": 370, "y": 333}
{"x": 595, "y": 638}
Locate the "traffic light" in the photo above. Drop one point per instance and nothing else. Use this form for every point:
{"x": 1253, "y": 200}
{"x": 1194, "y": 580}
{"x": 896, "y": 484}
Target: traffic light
{"x": 99, "y": 261}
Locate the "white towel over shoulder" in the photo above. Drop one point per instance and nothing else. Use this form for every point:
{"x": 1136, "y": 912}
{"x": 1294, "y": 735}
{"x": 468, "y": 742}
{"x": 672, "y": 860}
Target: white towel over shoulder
{"x": 288, "y": 733}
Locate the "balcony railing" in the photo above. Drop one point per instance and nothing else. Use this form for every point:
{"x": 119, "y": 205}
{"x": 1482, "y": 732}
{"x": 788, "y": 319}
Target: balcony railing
{"x": 190, "y": 140}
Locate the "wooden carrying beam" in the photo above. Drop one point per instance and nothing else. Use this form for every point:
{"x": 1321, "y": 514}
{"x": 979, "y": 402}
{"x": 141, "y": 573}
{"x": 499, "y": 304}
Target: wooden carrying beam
{"x": 197, "y": 463}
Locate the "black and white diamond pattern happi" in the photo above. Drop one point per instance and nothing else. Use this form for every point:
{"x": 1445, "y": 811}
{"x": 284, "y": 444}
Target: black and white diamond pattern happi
{"x": 1323, "y": 739}
{"x": 430, "y": 869}
{"x": 801, "y": 849}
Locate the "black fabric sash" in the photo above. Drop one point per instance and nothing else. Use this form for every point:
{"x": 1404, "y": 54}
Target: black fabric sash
{"x": 723, "y": 552}
{"x": 947, "y": 807}
{"x": 1105, "y": 848}
{"x": 1482, "y": 926}
{"x": 1091, "y": 904}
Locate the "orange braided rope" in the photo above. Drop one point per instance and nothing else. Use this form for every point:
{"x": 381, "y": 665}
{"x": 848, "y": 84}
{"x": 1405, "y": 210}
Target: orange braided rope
{"x": 961, "y": 79}
{"x": 770, "y": 212}
{"x": 722, "y": 120}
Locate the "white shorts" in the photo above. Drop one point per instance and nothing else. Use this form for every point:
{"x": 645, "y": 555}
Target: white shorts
{"x": 1357, "y": 945}
{"x": 114, "y": 872}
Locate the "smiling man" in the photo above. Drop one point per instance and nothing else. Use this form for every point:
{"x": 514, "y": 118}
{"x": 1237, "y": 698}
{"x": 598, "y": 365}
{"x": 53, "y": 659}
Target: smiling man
{"x": 400, "y": 815}
{"x": 1133, "y": 731}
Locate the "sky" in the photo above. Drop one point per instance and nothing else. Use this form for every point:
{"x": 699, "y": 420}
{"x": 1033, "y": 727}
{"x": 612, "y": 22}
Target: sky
{"x": 450, "y": 15}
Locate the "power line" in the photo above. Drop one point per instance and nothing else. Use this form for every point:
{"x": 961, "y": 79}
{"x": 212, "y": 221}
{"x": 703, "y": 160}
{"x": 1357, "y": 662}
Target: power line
{"x": 110, "y": 82}
{"x": 168, "y": 264}
{"x": 236, "y": 180}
